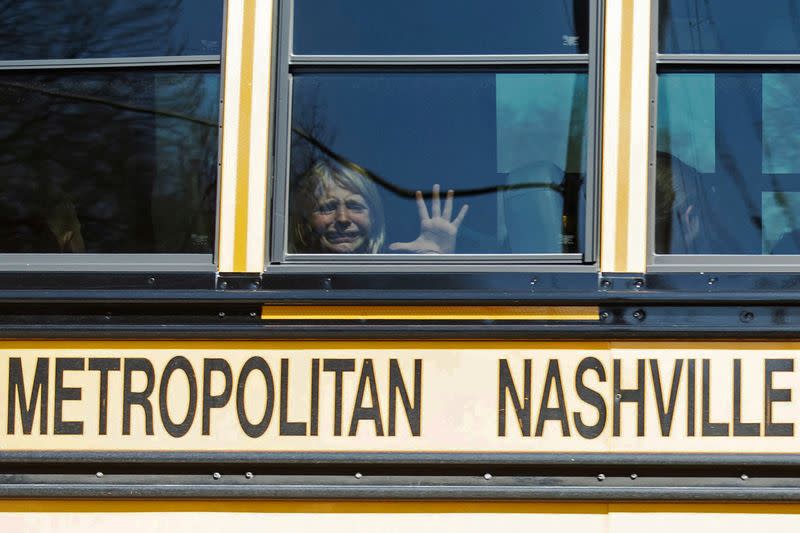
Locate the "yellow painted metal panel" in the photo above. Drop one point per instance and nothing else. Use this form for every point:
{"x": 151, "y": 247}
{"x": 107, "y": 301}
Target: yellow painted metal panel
{"x": 624, "y": 141}
{"x": 331, "y": 518}
{"x": 291, "y": 507}
{"x": 626, "y": 68}
{"x": 136, "y": 516}
{"x": 231, "y": 85}
{"x": 434, "y": 312}
{"x": 259, "y": 135}
{"x": 243, "y": 165}
{"x": 718, "y": 518}
{"x": 246, "y": 114}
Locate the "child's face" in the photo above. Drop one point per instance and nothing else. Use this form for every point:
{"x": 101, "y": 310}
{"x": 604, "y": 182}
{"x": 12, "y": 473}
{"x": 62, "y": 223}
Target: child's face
{"x": 341, "y": 220}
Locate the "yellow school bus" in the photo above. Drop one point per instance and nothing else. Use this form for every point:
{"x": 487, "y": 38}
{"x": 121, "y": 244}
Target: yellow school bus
{"x": 359, "y": 265}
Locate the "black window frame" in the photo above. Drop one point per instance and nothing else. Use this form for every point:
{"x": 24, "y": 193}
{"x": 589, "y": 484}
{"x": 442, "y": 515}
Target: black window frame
{"x": 287, "y": 63}
{"x": 705, "y": 63}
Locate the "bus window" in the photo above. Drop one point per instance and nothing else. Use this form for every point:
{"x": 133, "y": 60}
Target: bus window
{"x": 727, "y": 166}
{"x": 109, "y": 138}
{"x": 439, "y": 144}
{"x": 81, "y": 29}
{"x": 728, "y": 27}
{"x": 364, "y": 27}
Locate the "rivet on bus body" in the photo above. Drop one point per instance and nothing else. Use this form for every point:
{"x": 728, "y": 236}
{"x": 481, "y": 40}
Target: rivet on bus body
{"x": 487, "y": 476}
{"x": 358, "y": 475}
{"x": 634, "y": 476}
{"x": 99, "y": 474}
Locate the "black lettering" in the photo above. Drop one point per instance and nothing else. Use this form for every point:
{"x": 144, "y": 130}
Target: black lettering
{"x": 215, "y": 401}
{"x": 181, "y": 428}
{"x": 366, "y": 413}
{"x": 398, "y": 386}
{"x": 629, "y": 395}
{"x": 63, "y": 394}
{"x": 665, "y": 416}
{"x": 27, "y": 409}
{"x": 523, "y": 408}
{"x": 591, "y": 397}
{"x": 104, "y": 365}
{"x": 257, "y": 429}
{"x": 142, "y": 398}
{"x": 558, "y": 413}
{"x": 710, "y": 429}
{"x": 338, "y": 367}
{"x": 286, "y": 427}
{"x": 776, "y": 429}
{"x": 314, "y": 422}
{"x": 741, "y": 429}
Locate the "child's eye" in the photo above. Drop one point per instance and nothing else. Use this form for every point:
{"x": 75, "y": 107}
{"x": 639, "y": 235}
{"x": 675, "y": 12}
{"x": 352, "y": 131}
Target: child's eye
{"x": 327, "y": 207}
{"x": 356, "y": 207}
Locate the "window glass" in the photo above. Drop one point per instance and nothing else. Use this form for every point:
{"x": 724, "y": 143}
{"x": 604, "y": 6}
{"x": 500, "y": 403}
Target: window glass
{"x": 75, "y": 29}
{"x": 729, "y": 26}
{"x": 108, "y": 160}
{"x": 436, "y": 27}
{"x": 728, "y": 163}
{"x": 511, "y": 145}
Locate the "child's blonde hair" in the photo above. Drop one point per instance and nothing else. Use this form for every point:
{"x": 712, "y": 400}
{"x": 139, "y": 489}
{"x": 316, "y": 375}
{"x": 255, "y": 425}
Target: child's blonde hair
{"x": 303, "y": 200}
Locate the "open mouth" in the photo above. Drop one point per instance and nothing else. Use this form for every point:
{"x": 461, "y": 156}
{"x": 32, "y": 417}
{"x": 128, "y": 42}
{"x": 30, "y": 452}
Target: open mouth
{"x": 340, "y": 238}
